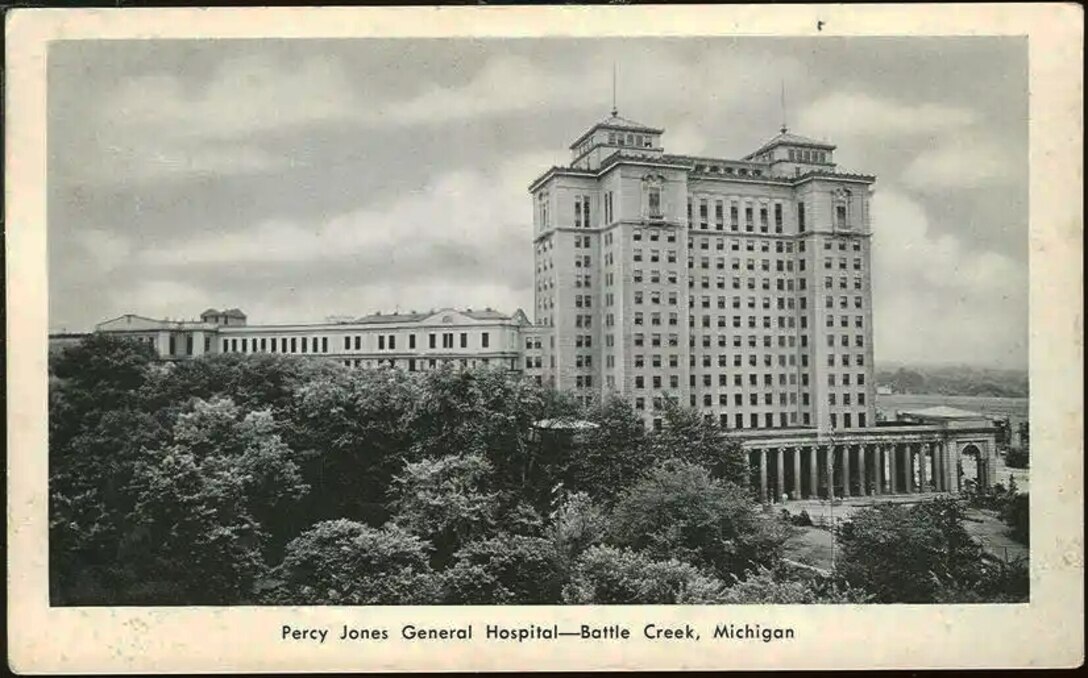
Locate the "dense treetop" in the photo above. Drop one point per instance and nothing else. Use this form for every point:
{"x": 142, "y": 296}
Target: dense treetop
{"x": 265, "y": 479}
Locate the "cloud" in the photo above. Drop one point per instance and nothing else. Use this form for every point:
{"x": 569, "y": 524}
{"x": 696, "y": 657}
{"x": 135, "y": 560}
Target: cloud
{"x": 243, "y": 95}
{"x": 930, "y": 290}
{"x": 102, "y": 249}
{"x": 159, "y": 297}
{"x": 853, "y": 114}
{"x": 463, "y": 210}
{"x": 959, "y": 162}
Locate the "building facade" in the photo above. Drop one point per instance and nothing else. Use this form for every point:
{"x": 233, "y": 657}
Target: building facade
{"x": 412, "y": 341}
{"x": 737, "y": 287}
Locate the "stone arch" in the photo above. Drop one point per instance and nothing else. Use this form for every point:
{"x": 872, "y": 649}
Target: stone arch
{"x": 971, "y": 465}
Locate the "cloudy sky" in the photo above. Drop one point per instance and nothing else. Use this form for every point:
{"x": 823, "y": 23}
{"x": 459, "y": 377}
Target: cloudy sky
{"x": 302, "y": 179}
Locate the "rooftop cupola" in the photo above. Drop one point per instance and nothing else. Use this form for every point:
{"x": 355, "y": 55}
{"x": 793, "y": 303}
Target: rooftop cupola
{"x": 790, "y": 154}
{"x": 615, "y": 134}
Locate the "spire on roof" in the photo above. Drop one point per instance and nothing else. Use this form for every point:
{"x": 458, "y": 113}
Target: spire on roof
{"x": 615, "y": 111}
{"x": 784, "y": 128}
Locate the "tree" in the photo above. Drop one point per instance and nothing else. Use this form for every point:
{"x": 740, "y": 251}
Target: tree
{"x": 687, "y": 436}
{"x": 1017, "y": 515}
{"x": 484, "y": 411}
{"x": 902, "y": 553}
{"x": 96, "y": 432}
{"x": 1017, "y": 457}
{"x": 445, "y": 501}
{"x": 350, "y": 429}
{"x": 773, "y": 587}
{"x": 341, "y": 562}
{"x": 207, "y": 505}
{"x": 679, "y": 510}
{"x": 610, "y": 457}
{"x": 606, "y": 575}
{"x": 577, "y": 524}
{"x": 504, "y": 569}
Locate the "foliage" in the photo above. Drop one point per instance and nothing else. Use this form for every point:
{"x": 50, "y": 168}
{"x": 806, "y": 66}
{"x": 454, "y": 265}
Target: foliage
{"x": 504, "y": 569}
{"x": 444, "y": 501}
{"x": 905, "y": 554}
{"x": 802, "y": 519}
{"x": 271, "y": 479}
{"x": 576, "y": 525}
{"x": 606, "y": 575}
{"x": 349, "y": 429}
{"x": 767, "y": 587}
{"x": 341, "y": 562}
{"x": 678, "y": 510}
{"x": 205, "y": 503}
{"x": 96, "y": 432}
{"x": 1017, "y": 515}
{"x": 1017, "y": 457}
{"x": 611, "y": 457}
{"x": 686, "y": 435}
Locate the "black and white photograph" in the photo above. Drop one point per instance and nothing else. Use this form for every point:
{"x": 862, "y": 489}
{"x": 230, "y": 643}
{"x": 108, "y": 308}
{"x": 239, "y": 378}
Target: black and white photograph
{"x": 721, "y": 320}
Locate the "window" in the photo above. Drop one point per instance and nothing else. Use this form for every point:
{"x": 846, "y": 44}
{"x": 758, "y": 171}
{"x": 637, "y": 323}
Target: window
{"x": 464, "y": 340}
{"x": 801, "y": 217}
{"x": 485, "y": 340}
{"x": 778, "y": 218}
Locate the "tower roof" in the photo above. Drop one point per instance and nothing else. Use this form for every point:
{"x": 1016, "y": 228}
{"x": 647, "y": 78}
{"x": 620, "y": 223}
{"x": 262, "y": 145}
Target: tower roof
{"x": 617, "y": 122}
{"x": 788, "y": 138}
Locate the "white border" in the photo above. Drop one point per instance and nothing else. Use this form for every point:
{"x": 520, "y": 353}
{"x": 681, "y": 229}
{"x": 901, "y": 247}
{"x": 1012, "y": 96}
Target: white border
{"x": 1047, "y": 632}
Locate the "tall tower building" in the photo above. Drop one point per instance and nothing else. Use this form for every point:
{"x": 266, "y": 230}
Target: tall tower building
{"x": 738, "y": 287}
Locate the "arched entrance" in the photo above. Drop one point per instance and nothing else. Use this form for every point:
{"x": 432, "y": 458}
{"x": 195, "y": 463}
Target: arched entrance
{"x": 972, "y": 467}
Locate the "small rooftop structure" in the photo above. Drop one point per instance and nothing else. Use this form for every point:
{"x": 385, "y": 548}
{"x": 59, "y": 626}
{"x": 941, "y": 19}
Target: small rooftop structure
{"x": 942, "y": 412}
{"x": 786, "y": 138}
{"x": 565, "y": 424}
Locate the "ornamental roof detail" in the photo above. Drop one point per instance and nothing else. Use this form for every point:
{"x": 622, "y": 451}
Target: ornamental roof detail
{"x": 790, "y": 139}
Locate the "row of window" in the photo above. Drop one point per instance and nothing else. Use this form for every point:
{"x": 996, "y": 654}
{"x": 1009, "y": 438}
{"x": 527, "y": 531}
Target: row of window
{"x": 276, "y": 345}
{"x": 350, "y": 343}
{"x": 414, "y": 364}
{"x": 172, "y": 348}
{"x": 806, "y": 155}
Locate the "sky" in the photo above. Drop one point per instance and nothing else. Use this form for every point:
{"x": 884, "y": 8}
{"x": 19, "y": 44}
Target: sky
{"x": 302, "y": 179}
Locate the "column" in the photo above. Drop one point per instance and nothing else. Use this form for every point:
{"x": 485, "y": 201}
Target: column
{"x": 923, "y": 470}
{"x": 846, "y": 470}
{"x": 796, "y": 473}
{"x": 863, "y": 479}
{"x": 780, "y": 474}
{"x": 952, "y": 455}
{"x": 890, "y": 453}
{"x": 829, "y": 465}
{"x": 907, "y": 486}
{"x": 878, "y": 469}
{"x": 938, "y": 480}
{"x": 814, "y": 472}
{"x": 198, "y": 342}
{"x": 991, "y": 463}
{"x": 763, "y": 476}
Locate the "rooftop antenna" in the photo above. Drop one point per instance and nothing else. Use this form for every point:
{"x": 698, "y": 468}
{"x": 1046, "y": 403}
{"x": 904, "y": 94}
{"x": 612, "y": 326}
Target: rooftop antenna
{"x": 615, "y": 111}
{"x": 784, "y": 127}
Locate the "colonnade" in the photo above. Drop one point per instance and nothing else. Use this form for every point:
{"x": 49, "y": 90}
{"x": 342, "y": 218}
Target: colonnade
{"x": 806, "y": 471}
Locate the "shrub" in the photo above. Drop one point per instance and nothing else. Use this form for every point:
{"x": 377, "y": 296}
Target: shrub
{"x": 605, "y": 575}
